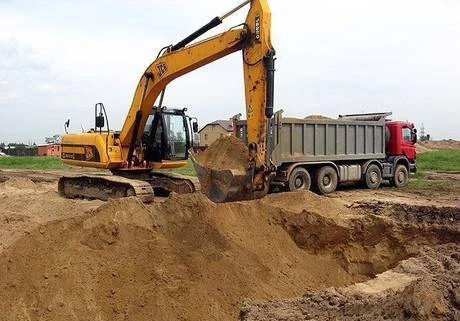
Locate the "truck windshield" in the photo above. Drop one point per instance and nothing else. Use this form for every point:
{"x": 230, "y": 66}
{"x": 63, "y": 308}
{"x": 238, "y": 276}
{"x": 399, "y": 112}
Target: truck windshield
{"x": 177, "y": 135}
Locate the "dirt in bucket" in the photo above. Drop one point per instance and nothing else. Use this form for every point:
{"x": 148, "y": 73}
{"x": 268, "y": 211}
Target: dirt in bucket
{"x": 225, "y": 153}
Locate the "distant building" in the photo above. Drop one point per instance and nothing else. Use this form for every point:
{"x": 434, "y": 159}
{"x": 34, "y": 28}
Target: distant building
{"x": 20, "y": 150}
{"x": 49, "y": 150}
{"x": 212, "y": 131}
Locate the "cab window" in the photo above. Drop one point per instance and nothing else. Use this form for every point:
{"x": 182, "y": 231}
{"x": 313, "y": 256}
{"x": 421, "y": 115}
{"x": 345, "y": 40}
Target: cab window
{"x": 177, "y": 136}
{"x": 407, "y": 134}
{"x": 148, "y": 124}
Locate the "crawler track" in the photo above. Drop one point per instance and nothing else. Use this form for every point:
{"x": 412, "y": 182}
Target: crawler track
{"x": 103, "y": 187}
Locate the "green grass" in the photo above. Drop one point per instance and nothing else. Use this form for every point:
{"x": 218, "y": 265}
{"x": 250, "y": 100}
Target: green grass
{"x": 443, "y": 160}
{"x": 32, "y": 162}
{"x": 436, "y": 161}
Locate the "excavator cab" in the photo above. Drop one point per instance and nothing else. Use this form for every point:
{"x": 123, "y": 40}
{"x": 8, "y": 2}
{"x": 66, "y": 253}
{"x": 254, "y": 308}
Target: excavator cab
{"x": 167, "y": 135}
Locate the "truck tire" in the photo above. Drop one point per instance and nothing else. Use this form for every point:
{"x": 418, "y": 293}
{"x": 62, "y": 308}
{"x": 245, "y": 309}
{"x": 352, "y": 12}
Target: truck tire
{"x": 373, "y": 177}
{"x": 401, "y": 176}
{"x": 299, "y": 180}
{"x": 326, "y": 180}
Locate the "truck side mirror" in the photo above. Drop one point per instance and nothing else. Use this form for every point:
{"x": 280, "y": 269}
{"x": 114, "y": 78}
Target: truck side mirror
{"x": 195, "y": 127}
{"x": 414, "y": 136}
{"x": 100, "y": 121}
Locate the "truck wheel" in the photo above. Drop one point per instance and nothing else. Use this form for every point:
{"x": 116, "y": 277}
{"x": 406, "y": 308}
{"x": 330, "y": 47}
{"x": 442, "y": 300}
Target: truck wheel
{"x": 299, "y": 180}
{"x": 373, "y": 177}
{"x": 401, "y": 176}
{"x": 326, "y": 180}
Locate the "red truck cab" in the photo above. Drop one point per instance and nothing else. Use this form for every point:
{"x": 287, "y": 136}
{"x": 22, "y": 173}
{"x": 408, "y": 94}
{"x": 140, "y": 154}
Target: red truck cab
{"x": 400, "y": 141}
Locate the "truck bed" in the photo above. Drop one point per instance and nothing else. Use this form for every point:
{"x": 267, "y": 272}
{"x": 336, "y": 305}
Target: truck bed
{"x": 318, "y": 140}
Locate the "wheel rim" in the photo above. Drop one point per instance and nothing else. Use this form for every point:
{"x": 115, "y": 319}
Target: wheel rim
{"x": 374, "y": 177}
{"x": 299, "y": 182}
{"x": 401, "y": 177}
{"x": 327, "y": 181}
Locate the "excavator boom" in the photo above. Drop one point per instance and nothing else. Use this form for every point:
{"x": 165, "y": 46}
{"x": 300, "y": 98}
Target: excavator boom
{"x": 170, "y": 66}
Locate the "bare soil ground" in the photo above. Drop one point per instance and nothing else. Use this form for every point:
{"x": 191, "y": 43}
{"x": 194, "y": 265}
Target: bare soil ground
{"x": 431, "y": 145}
{"x": 388, "y": 253}
{"x": 425, "y": 287}
{"x": 431, "y": 197}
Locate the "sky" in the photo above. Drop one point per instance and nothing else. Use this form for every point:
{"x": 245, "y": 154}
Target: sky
{"x": 59, "y": 58}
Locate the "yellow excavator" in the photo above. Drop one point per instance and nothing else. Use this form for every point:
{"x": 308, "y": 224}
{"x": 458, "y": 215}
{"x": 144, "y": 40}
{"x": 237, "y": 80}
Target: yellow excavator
{"x": 155, "y": 137}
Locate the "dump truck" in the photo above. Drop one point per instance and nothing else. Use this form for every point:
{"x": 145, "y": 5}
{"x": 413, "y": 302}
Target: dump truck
{"x": 319, "y": 153}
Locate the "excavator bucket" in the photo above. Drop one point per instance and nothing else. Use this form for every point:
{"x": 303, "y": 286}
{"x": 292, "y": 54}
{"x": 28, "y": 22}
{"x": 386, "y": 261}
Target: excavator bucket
{"x": 223, "y": 185}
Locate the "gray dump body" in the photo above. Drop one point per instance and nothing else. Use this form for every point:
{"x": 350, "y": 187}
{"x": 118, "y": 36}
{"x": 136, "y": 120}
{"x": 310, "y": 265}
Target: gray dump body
{"x": 320, "y": 140}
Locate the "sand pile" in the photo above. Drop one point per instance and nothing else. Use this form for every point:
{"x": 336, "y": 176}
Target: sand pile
{"x": 225, "y": 153}
{"x": 222, "y": 170}
{"x": 426, "y": 287}
{"x": 421, "y": 148}
{"x": 189, "y": 259}
{"x": 18, "y": 183}
{"x": 317, "y": 117}
{"x": 25, "y": 206}
{"x": 431, "y": 145}
{"x": 184, "y": 259}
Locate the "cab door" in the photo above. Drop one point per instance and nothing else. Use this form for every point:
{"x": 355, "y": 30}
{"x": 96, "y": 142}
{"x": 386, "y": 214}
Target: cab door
{"x": 177, "y": 135}
{"x": 409, "y": 138}
{"x": 168, "y": 137}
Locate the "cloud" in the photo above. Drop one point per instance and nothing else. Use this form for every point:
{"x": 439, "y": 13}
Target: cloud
{"x": 23, "y": 74}
{"x": 28, "y": 91}
{"x": 14, "y": 57}
{"x": 334, "y": 57}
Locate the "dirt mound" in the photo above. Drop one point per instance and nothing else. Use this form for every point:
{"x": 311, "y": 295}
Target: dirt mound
{"x": 317, "y": 117}
{"x": 18, "y": 182}
{"x": 24, "y": 209}
{"x": 225, "y": 153}
{"x": 426, "y": 287}
{"x": 430, "y": 145}
{"x": 190, "y": 259}
{"x": 186, "y": 259}
{"x": 421, "y": 148}
{"x": 307, "y": 201}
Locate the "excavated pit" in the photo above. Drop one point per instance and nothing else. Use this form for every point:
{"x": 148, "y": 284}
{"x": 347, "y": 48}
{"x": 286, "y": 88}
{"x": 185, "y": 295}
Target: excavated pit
{"x": 187, "y": 258}
{"x": 426, "y": 287}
